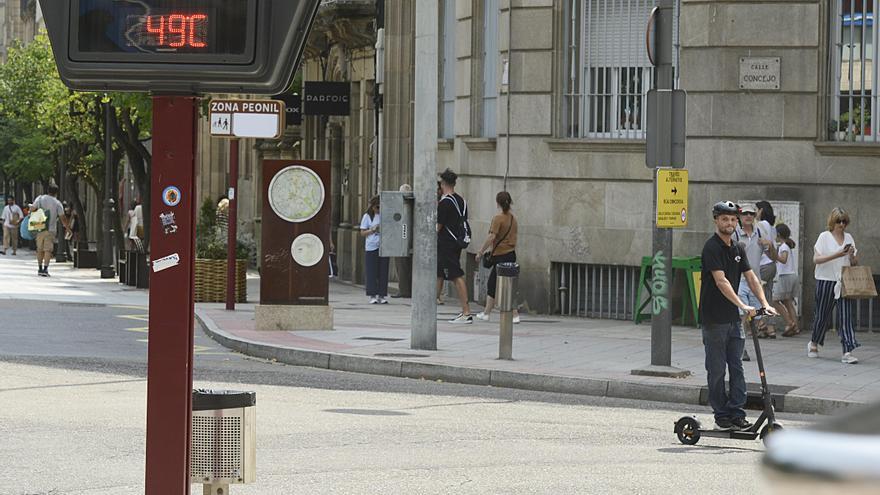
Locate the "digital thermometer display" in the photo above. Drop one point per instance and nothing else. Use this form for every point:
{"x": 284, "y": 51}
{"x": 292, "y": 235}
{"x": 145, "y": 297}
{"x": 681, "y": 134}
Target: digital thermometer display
{"x": 165, "y": 31}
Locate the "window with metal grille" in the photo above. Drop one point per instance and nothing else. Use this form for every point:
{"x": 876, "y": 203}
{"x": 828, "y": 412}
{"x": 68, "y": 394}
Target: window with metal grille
{"x": 853, "y": 61}
{"x": 608, "y": 72}
{"x": 490, "y": 68}
{"x": 447, "y": 70}
{"x": 595, "y": 291}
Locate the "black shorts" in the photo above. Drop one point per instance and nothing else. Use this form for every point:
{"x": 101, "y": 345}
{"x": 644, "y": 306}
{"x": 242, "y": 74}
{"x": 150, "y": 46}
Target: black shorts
{"x": 448, "y": 263}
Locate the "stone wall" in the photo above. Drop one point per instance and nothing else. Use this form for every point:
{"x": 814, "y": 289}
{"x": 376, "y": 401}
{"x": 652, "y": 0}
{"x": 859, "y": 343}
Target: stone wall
{"x": 589, "y": 201}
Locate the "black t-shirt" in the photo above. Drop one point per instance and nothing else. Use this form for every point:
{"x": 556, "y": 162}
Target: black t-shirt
{"x": 714, "y": 307}
{"x": 447, "y": 216}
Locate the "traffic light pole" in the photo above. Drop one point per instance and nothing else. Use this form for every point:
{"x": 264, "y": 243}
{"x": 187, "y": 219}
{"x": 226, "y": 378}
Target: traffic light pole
{"x": 172, "y": 251}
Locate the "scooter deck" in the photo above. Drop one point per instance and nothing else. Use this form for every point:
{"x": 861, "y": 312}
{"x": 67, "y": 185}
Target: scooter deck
{"x": 734, "y": 434}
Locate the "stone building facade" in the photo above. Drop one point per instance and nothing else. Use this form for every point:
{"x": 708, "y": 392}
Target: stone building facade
{"x": 342, "y": 48}
{"x": 569, "y": 143}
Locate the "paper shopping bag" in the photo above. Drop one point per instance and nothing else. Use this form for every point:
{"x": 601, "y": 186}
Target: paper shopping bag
{"x": 858, "y": 282}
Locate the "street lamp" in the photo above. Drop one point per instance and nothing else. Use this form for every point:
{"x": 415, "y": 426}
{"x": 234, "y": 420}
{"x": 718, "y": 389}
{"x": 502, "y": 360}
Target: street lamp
{"x": 108, "y": 270}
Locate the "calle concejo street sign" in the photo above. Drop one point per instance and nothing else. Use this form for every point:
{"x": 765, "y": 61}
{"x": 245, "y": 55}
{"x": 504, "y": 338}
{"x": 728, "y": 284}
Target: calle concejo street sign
{"x": 247, "y": 118}
{"x": 672, "y": 198}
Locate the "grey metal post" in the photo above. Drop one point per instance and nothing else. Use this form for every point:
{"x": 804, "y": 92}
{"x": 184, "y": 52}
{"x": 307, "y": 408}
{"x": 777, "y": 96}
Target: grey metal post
{"x": 107, "y": 268}
{"x": 661, "y": 252}
{"x": 661, "y": 321}
{"x": 507, "y": 274}
{"x": 424, "y": 309}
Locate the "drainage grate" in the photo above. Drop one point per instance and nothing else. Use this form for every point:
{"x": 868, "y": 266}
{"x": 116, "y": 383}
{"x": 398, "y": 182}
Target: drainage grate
{"x": 595, "y": 291}
{"x": 83, "y": 305}
{"x": 400, "y": 355}
{"x": 381, "y": 339}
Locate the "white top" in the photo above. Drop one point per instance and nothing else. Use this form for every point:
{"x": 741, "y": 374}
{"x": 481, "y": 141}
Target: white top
{"x": 8, "y": 212}
{"x": 790, "y": 266}
{"x": 54, "y": 210}
{"x": 826, "y": 245}
{"x": 767, "y": 232}
{"x": 372, "y": 242}
{"x": 132, "y": 224}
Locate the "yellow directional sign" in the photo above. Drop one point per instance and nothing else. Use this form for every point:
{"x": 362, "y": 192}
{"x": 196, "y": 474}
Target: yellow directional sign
{"x": 672, "y": 198}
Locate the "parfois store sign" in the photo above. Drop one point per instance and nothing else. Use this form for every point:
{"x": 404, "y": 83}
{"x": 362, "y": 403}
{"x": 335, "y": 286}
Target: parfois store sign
{"x": 326, "y": 98}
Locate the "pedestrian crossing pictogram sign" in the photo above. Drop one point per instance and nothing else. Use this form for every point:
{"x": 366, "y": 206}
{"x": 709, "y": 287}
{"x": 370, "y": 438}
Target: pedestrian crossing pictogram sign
{"x": 672, "y": 198}
{"x": 247, "y": 118}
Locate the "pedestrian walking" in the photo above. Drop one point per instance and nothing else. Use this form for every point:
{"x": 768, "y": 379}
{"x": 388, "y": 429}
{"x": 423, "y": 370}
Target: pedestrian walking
{"x": 54, "y": 212}
{"x": 755, "y": 244}
{"x": 376, "y": 266}
{"x": 131, "y": 225}
{"x": 453, "y": 235}
{"x": 834, "y": 249}
{"x": 765, "y": 221}
{"x": 788, "y": 282}
{"x": 725, "y": 266}
{"x": 10, "y": 218}
{"x": 499, "y": 247}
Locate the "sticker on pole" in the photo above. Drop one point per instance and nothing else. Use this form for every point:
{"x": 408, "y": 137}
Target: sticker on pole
{"x": 166, "y": 262}
{"x": 247, "y": 118}
{"x": 171, "y": 196}
{"x": 672, "y": 198}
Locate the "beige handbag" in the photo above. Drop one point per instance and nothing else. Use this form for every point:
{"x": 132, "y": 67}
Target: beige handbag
{"x": 857, "y": 282}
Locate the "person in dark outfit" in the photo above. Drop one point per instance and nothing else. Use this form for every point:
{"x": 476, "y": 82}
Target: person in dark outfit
{"x": 451, "y": 212}
{"x": 723, "y": 338}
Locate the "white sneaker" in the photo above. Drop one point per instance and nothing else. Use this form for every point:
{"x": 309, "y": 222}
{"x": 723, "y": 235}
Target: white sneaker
{"x": 462, "y": 319}
{"x": 848, "y": 358}
{"x": 382, "y": 300}
{"x": 812, "y": 353}
{"x": 374, "y": 300}
{"x": 516, "y": 319}
{"x": 482, "y": 316}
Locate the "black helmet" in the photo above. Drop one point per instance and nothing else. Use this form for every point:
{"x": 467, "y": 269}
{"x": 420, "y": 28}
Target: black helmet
{"x": 725, "y": 208}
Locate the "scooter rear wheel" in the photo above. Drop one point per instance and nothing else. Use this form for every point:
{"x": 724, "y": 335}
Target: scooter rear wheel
{"x": 687, "y": 429}
{"x": 767, "y": 430}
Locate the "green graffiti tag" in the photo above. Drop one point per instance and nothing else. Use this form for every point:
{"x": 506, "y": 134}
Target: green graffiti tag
{"x": 659, "y": 283}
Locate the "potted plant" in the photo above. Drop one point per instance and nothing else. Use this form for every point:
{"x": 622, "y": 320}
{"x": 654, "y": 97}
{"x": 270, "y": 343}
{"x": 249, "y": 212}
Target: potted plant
{"x": 210, "y": 264}
{"x": 854, "y": 128}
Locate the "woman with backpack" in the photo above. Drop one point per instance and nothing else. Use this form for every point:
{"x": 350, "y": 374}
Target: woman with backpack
{"x": 499, "y": 247}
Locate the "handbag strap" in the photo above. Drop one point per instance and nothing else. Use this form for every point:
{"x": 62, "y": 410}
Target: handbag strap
{"x": 512, "y": 219}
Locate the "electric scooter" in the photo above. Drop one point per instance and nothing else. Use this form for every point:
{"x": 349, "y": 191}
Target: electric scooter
{"x": 689, "y": 430}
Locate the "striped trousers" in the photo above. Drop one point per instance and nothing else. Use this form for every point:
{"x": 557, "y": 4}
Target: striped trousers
{"x": 825, "y": 303}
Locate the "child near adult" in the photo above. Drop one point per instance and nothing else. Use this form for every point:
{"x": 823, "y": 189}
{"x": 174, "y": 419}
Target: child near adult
{"x": 788, "y": 282}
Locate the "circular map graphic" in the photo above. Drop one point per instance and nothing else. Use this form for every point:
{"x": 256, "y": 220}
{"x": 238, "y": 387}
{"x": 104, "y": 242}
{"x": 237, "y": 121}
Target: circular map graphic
{"x": 307, "y": 249}
{"x": 296, "y": 194}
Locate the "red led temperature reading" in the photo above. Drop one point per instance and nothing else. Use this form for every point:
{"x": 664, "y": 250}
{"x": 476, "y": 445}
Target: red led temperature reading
{"x": 178, "y": 30}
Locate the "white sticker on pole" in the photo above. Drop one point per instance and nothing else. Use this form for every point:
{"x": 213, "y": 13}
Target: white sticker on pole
{"x": 166, "y": 262}
{"x": 231, "y": 193}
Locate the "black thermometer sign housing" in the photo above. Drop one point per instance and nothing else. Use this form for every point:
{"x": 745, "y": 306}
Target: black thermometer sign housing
{"x": 179, "y": 47}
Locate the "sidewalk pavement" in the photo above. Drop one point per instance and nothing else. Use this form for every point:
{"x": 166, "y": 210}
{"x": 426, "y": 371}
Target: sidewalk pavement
{"x": 551, "y": 353}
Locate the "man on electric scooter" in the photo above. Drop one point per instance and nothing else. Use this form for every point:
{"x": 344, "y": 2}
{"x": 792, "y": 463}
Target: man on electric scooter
{"x": 723, "y": 337}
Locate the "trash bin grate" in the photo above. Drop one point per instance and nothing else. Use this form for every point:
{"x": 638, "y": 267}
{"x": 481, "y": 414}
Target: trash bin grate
{"x": 216, "y": 447}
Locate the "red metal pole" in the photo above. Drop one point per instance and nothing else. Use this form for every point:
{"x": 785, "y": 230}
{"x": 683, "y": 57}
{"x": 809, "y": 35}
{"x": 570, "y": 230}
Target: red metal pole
{"x": 232, "y": 224}
{"x": 172, "y": 251}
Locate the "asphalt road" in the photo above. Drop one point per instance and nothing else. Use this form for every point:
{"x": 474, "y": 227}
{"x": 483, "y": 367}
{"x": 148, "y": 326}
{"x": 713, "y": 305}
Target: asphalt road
{"x": 72, "y": 414}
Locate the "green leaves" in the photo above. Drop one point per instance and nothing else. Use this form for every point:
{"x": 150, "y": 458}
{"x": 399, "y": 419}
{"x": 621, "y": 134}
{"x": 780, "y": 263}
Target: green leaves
{"x": 39, "y": 116}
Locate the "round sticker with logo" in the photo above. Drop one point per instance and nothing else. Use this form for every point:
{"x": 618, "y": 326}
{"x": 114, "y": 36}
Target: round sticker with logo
{"x": 171, "y": 196}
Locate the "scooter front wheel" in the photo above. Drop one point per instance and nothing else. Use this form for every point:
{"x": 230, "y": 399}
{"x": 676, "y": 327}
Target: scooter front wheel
{"x": 769, "y": 429}
{"x": 687, "y": 429}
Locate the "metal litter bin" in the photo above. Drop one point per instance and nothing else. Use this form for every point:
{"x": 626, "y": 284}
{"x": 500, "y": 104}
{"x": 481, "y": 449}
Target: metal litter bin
{"x": 223, "y": 448}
